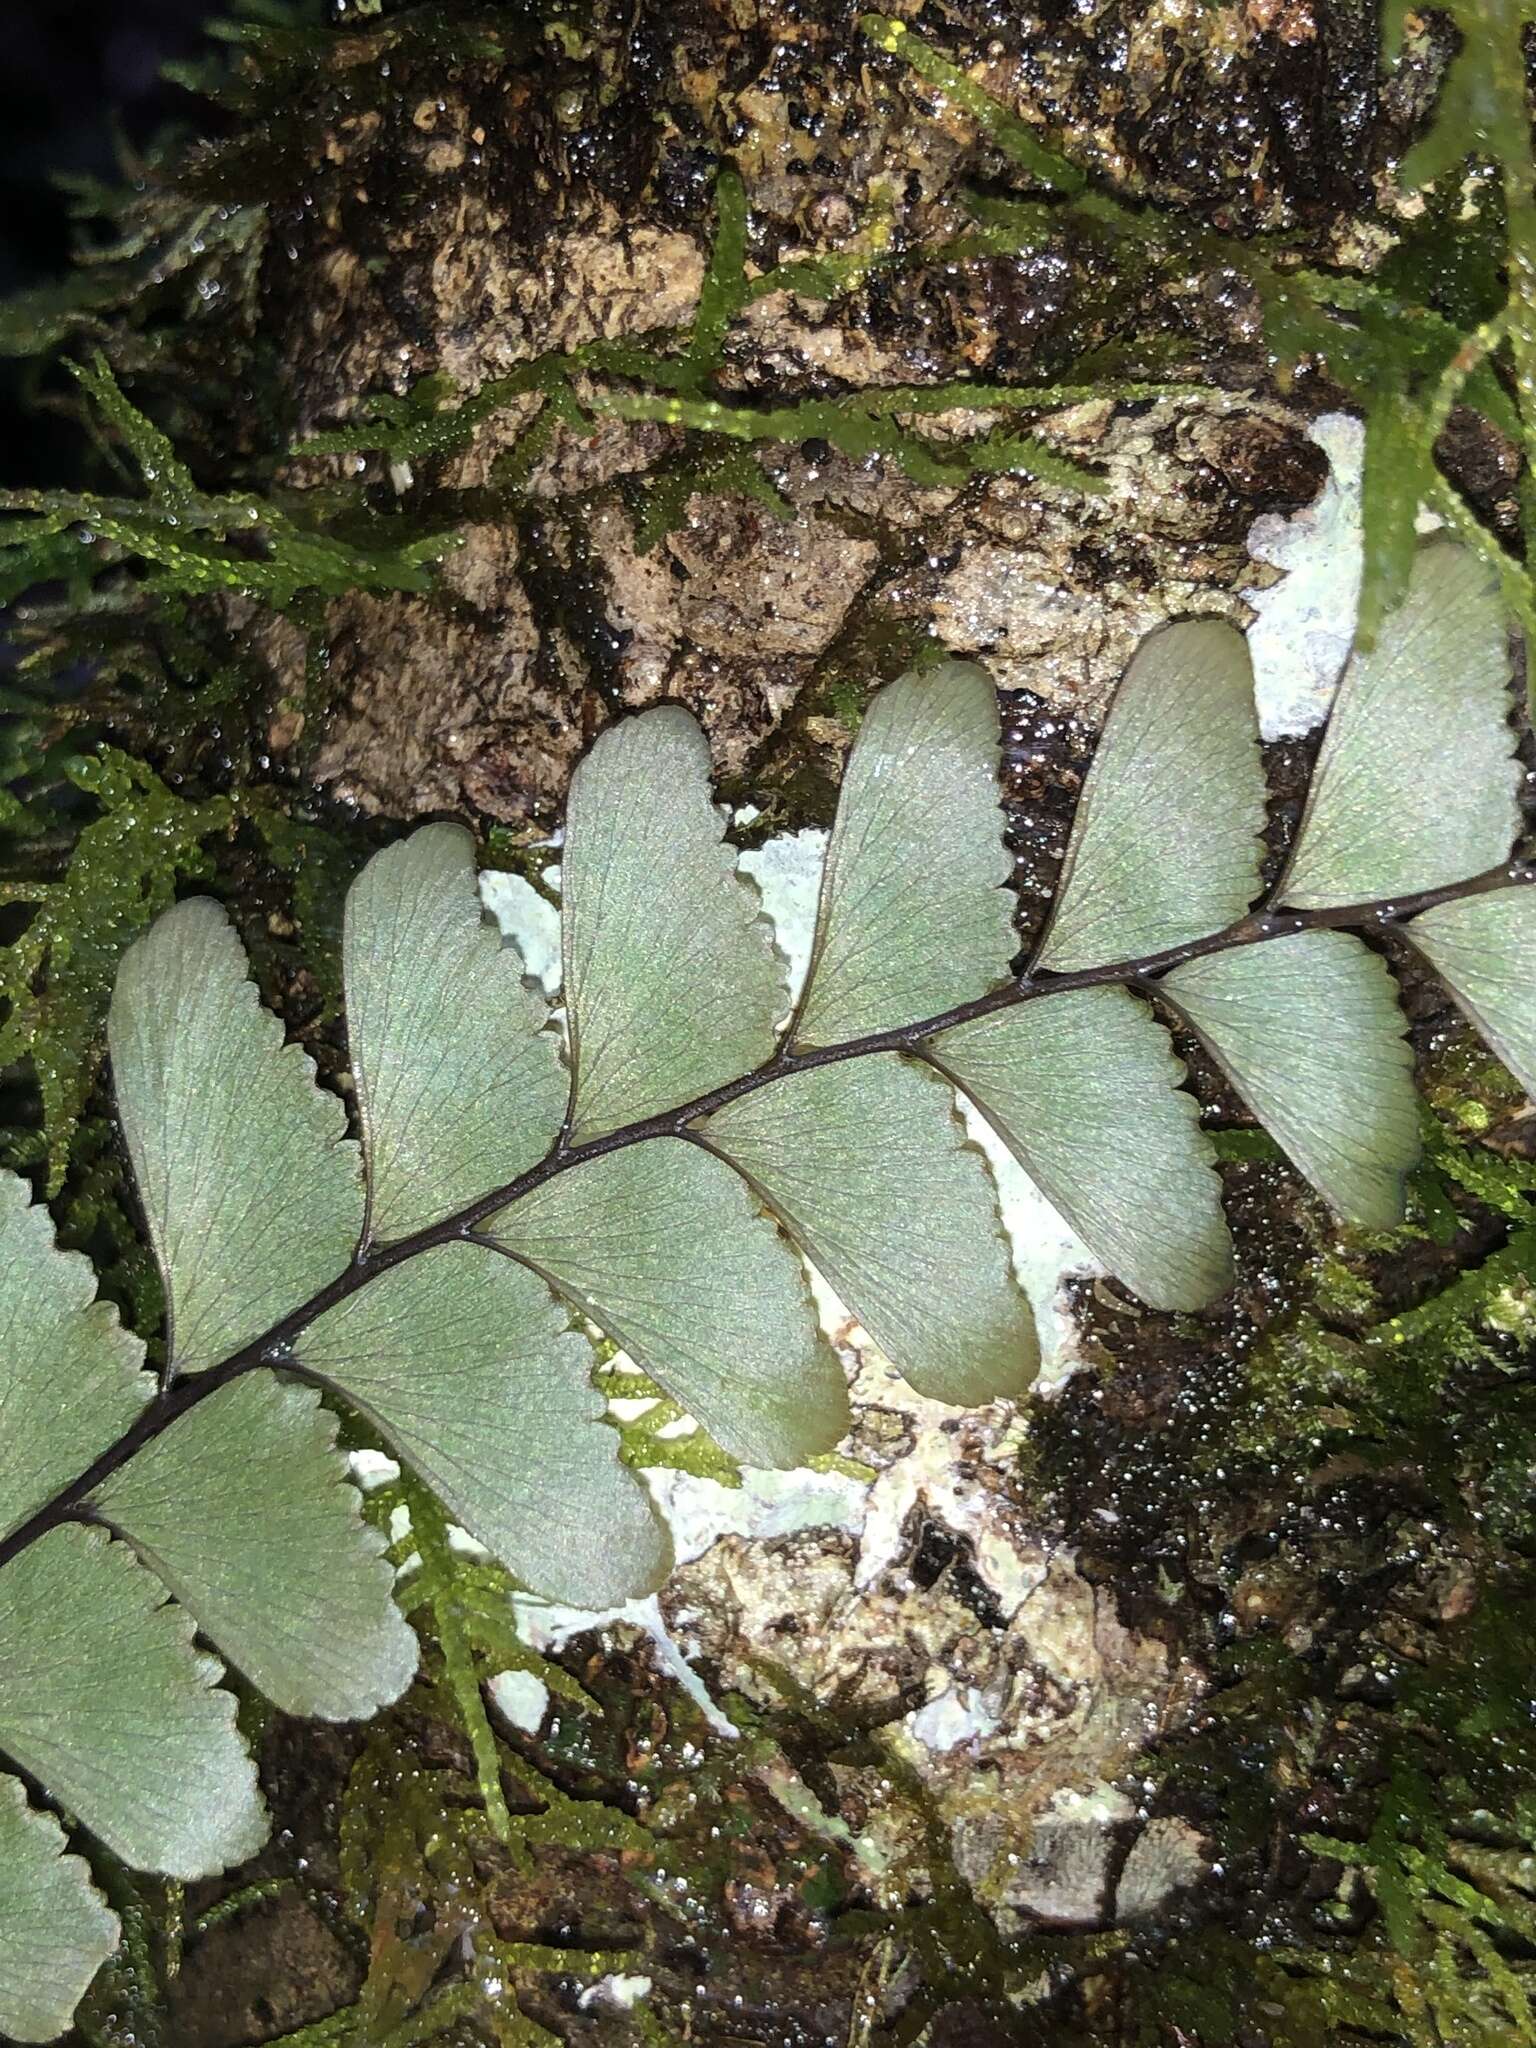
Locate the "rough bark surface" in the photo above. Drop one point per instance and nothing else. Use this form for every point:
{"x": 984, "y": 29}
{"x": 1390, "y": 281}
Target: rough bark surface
{"x": 471, "y": 224}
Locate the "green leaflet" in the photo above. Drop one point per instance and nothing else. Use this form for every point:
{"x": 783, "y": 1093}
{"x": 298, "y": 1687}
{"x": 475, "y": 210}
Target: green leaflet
{"x": 459, "y": 1087}
{"x": 1084, "y": 1089}
{"x": 1165, "y": 843}
{"x": 243, "y": 1510}
{"x": 128, "y": 1729}
{"x": 69, "y": 1373}
{"x": 914, "y": 917}
{"x": 661, "y": 1246}
{"x": 1484, "y": 948}
{"x": 868, "y": 1165}
{"x": 55, "y": 1930}
{"x": 466, "y": 1364}
{"x": 249, "y": 1184}
{"x": 672, "y": 985}
{"x": 1417, "y": 780}
{"x": 1310, "y": 1031}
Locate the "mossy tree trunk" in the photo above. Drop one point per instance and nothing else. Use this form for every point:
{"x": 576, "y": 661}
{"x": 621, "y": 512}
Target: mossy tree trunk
{"x": 594, "y": 229}
{"x": 468, "y": 218}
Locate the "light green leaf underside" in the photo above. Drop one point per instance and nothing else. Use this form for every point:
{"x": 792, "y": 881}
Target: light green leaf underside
{"x": 243, "y": 1510}
{"x": 672, "y": 984}
{"x": 868, "y": 1165}
{"x": 663, "y": 1248}
{"x": 1083, "y": 1087}
{"x": 1310, "y": 1032}
{"x": 466, "y": 1363}
{"x": 913, "y": 917}
{"x": 1416, "y": 782}
{"x": 458, "y": 1086}
{"x": 1165, "y": 843}
{"x": 250, "y": 1187}
{"x": 55, "y": 1929}
{"x": 69, "y": 1373}
{"x": 106, "y": 1702}
{"x": 1484, "y": 948}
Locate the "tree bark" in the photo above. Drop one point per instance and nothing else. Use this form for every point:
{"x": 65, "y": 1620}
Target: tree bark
{"x": 468, "y": 220}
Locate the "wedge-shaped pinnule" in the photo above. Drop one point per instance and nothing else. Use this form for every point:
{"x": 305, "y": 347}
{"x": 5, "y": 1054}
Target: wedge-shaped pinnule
{"x": 1484, "y": 950}
{"x": 1165, "y": 843}
{"x": 1310, "y": 1032}
{"x": 662, "y": 1247}
{"x": 467, "y": 1365}
{"x": 459, "y": 1086}
{"x": 868, "y": 1166}
{"x": 104, "y": 1699}
{"x": 914, "y": 917}
{"x": 101, "y": 1693}
{"x": 243, "y": 1510}
{"x": 55, "y": 1929}
{"x": 1083, "y": 1087}
{"x": 70, "y": 1378}
{"x": 1416, "y": 782}
{"x": 672, "y": 985}
{"x": 250, "y": 1186}
{"x": 240, "y": 1507}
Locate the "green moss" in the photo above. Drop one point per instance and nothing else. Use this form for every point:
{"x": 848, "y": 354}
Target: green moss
{"x": 1413, "y": 1735}
{"x": 191, "y": 544}
{"x": 1014, "y": 137}
{"x": 319, "y": 863}
{"x": 660, "y": 1436}
{"x": 674, "y": 375}
{"x": 56, "y": 978}
{"x": 1341, "y": 1292}
{"x": 1303, "y": 1383}
{"x": 418, "y": 1887}
{"x": 704, "y": 469}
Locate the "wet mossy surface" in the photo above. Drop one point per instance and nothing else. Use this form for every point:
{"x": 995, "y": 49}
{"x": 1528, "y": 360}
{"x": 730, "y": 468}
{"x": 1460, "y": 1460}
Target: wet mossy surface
{"x": 498, "y": 257}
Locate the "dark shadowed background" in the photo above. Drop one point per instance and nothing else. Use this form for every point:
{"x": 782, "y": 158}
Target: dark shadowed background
{"x": 80, "y": 79}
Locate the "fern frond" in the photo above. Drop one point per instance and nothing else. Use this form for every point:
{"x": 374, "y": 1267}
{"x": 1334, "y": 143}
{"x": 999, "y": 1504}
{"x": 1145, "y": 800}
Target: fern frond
{"x": 659, "y": 1179}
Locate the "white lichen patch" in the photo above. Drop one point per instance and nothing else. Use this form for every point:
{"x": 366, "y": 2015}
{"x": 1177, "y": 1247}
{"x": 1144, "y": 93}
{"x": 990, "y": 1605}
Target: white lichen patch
{"x": 530, "y": 920}
{"x": 547, "y": 1626}
{"x": 1047, "y": 1252}
{"x": 1304, "y": 623}
{"x": 617, "y": 1992}
{"x": 765, "y": 1505}
{"x": 1063, "y": 1879}
{"x": 955, "y": 1714}
{"x": 946, "y": 1619}
{"x": 523, "y": 1697}
{"x": 928, "y": 1480}
{"x": 1167, "y": 1856}
{"x": 370, "y": 1469}
{"x": 1053, "y": 592}
{"x": 787, "y": 871}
